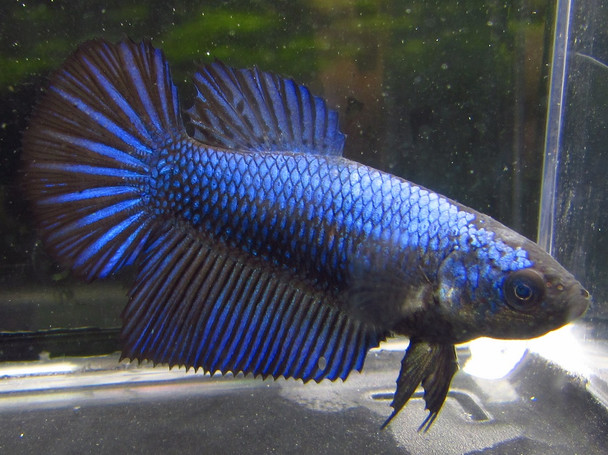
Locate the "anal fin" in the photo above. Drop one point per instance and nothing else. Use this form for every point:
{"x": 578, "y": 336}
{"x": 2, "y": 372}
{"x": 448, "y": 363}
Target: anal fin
{"x": 204, "y": 305}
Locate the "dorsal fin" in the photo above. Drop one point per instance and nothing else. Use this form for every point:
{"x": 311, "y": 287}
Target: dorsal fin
{"x": 219, "y": 309}
{"x": 249, "y": 109}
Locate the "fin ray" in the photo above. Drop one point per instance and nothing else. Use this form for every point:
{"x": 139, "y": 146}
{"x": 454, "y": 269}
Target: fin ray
{"x": 428, "y": 364}
{"x": 253, "y": 110}
{"x": 89, "y": 150}
{"x": 214, "y": 308}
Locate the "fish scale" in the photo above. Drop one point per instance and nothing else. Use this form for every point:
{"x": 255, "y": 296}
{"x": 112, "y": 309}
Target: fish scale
{"x": 288, "y": 226}
{"x": 259, "y": 248}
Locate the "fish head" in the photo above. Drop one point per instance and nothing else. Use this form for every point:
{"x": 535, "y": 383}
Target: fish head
{"x": 537, "y": 299}
{"x": 508, "y": 288}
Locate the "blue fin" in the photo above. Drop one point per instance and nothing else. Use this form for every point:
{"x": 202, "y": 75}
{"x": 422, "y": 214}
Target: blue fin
{"x": 215, "y": 308}
{"x": 249, "y": 109}
{"x": 88, "y": 151}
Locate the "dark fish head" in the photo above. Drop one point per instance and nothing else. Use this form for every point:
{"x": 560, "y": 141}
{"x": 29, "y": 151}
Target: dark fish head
{"x": 537, "y": 299}
{"x": 511, "y": 289}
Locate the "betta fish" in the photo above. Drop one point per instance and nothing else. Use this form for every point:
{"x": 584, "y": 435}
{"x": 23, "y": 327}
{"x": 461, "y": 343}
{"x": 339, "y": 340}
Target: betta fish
{"x": 258, "y": 247}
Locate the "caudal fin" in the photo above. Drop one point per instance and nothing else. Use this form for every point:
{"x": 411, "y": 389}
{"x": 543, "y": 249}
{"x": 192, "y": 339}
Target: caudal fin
{"x": 89, "y": 151}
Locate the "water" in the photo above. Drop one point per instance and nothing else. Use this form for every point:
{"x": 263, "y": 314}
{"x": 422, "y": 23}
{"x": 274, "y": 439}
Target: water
{"x": 451, "y": 95}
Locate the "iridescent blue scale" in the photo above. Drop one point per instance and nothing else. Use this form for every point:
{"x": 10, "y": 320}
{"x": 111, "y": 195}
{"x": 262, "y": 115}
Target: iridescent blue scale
{"x": 285, "y": 219}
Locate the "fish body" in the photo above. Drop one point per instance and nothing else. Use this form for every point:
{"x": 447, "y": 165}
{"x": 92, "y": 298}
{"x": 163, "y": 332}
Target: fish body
{"x": 336, "y": 223}
{"x": 259, "y": 248}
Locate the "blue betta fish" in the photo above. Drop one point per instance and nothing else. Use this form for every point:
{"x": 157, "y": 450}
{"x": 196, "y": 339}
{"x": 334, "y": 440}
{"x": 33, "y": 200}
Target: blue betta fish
{"x": 259, "y": 248}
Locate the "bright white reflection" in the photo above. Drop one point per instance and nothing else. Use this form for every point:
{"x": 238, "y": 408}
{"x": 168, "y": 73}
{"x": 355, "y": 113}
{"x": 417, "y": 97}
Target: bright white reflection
{"x": 494, "y": 359}
{"x": 564, "y": 348}
{"x": 37, "y": 369}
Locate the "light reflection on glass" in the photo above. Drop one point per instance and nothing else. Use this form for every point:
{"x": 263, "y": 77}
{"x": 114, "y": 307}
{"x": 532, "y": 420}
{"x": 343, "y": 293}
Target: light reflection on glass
{"x": 495, "y": 359}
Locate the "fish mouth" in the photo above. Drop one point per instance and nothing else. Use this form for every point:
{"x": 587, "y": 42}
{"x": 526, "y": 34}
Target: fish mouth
{"x": 579, "y": 300}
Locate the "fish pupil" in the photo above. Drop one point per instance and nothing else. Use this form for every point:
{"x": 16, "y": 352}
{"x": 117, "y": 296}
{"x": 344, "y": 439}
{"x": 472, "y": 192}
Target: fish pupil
{"x": 522, "y": 291}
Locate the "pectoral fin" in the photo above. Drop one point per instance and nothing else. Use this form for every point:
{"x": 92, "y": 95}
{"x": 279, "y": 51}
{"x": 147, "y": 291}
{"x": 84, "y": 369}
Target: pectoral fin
{"x": 433, "y": 366}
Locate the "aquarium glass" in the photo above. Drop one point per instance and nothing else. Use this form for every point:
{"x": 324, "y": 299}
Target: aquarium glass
{"x": 500, "y": 105}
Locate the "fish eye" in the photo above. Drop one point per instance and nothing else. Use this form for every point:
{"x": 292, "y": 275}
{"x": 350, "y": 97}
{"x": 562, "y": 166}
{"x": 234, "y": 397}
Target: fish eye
{"x": 524, "y": 289}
